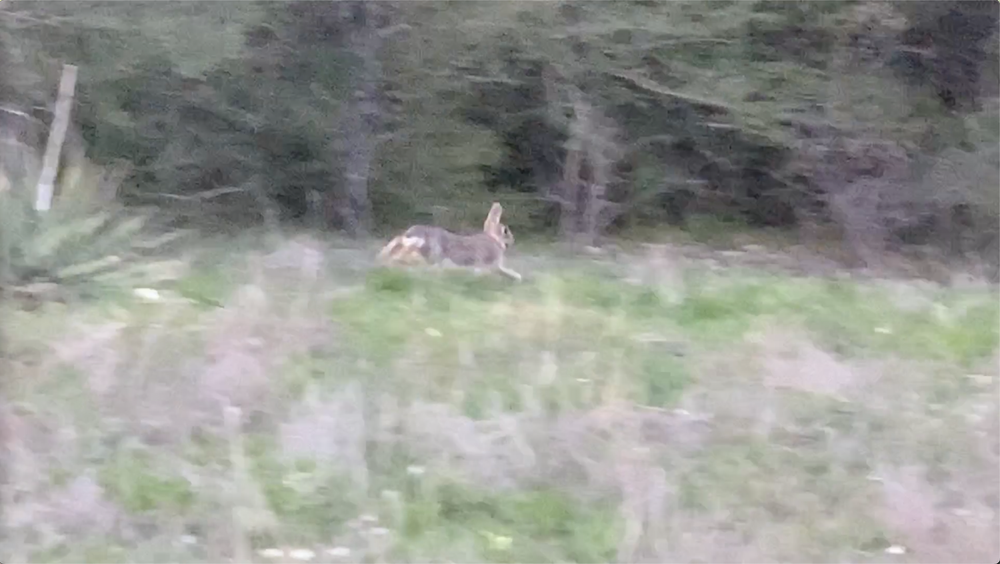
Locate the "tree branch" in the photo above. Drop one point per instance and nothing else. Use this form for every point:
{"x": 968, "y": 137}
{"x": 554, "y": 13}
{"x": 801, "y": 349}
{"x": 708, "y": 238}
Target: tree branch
{"x": 648, "y": 85}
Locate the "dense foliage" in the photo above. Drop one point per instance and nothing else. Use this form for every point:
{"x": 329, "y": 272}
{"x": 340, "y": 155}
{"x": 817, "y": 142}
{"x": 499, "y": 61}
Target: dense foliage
{"x": 585, "y": 117}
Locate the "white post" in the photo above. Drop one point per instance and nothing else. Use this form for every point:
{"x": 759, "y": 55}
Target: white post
{"x": 60, "y": 123}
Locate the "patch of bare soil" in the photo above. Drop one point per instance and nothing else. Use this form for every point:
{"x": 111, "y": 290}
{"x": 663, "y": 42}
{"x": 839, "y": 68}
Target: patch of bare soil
{"x": 792, "y": 362}
{"x": 34, "y": 508}
{"x": 92, "y": 349}
{"x": 330, "y": 430}
{"x": 931, "y": 532}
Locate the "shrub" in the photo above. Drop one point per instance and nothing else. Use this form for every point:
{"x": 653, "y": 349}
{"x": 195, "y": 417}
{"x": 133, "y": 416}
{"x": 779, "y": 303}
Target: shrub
{"x": 85, "y": 242}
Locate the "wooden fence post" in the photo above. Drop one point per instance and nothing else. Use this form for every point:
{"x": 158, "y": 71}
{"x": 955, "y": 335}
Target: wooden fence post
{"x": 60, "y": 122}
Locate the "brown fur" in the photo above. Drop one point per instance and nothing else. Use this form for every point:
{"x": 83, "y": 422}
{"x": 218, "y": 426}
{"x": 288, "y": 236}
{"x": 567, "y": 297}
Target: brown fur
{"x": 434, "y": 245}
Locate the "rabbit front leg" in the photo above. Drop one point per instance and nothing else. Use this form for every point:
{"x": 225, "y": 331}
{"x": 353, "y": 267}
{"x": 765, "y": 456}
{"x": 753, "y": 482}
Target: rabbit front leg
{"x": 507, "y": 271}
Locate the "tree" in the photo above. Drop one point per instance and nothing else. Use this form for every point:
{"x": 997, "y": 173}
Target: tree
{"x": 583, "y": 117}
{"x": 363, "y": 120}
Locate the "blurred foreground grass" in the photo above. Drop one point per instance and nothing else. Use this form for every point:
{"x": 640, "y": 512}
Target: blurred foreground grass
{"x": 299, "y": 397}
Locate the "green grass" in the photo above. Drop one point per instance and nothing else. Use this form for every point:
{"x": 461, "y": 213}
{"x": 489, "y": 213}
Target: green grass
{"x": 799, "y": 494}
{"x": 529, "y": 526}
{"x": 397, "y": 312}
{"x": 851, "y": 319}
{"x": 539, "y": 396}
{"x": 141, "y": 485}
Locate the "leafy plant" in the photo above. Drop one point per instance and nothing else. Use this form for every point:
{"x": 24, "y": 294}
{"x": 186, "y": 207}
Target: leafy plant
{"x": 86, "y": 242}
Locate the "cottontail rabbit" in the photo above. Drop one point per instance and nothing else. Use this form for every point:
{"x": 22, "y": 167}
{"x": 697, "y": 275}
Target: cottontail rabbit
{"x": 434, "y": 245}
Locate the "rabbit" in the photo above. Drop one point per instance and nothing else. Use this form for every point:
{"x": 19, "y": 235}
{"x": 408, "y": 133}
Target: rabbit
{"x": 419, "y": 243}
{"x": 438, "y": 246}
{"x": 422, "y": 243}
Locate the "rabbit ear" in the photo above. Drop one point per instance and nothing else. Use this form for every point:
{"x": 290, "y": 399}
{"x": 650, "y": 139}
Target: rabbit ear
{"x": 493, "y": 219}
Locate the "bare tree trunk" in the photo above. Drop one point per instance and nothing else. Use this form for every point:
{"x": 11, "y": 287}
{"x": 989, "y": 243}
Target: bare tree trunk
{"x": 268, "y": 209}
{"x": 60, "y": 122}
{"x": 583, "y": 129}
{"x": 595, "y": 201}
{"x": 362, "y": 123}
{"x": 855, "y": 209}
{"x": 569, "y": 191}
{"x": 582, "y": 198}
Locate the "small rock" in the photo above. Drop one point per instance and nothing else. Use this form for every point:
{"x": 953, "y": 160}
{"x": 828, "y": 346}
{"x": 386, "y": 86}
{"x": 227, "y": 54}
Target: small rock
{"x": 147, "y": 294}
{"x": 339, "y": 552}
{"x": 271, "y": 553}
{"x": 896, "y": 549}
{"x": 303, "y": 554}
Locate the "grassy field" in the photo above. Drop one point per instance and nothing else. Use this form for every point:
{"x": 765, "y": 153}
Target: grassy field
{"x": 638, "y": 408}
